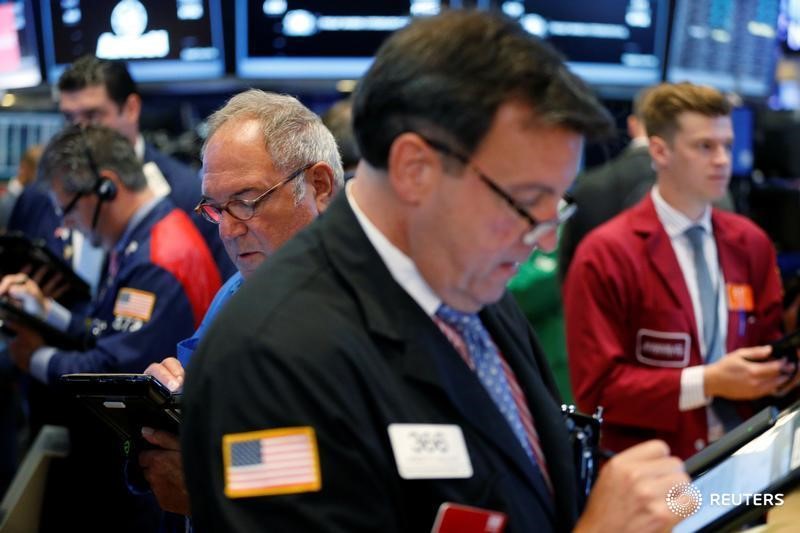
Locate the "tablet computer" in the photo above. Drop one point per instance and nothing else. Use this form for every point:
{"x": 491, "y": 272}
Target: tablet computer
{"x": 126, "y": 402}
{"x": 751, "y": 479}
{"x": 18, "y": 253}
{"x": 11, "y": 312}
{"x": 786, "y": 347}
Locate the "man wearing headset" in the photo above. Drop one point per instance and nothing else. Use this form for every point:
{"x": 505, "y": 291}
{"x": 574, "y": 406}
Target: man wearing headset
{"x": 157, "y": 286}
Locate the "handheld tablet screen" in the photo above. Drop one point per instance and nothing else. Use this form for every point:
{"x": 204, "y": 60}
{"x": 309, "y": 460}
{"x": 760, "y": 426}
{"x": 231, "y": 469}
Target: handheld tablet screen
{"x": 766, "y": 462}
{"x": 125, "y": 402}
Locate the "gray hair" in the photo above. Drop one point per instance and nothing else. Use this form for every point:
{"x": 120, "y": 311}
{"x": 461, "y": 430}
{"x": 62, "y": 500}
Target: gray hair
{"x": 76, "y": 154}
{"x": 293, "y": 135}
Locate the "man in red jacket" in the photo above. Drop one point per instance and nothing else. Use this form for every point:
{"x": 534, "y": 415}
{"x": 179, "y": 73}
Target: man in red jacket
{"x": 669, "y": 305}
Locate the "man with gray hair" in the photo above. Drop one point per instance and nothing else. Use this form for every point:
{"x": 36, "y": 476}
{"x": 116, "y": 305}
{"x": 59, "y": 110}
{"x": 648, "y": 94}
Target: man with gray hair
{"x": 258, "y": 143}
{"x": 159, "y": 282}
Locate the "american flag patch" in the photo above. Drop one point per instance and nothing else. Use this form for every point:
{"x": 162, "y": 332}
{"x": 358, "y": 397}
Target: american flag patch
{"x": 274, "y": 461}
{"x": 134, "y": 303}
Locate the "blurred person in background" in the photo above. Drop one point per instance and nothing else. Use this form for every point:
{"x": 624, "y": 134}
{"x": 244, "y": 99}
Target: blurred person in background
{"x": 159, "y": 282}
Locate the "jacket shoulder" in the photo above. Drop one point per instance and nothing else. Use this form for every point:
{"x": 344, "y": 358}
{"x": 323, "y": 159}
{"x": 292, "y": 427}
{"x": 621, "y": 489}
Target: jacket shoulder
{"x": 740, "y": 225}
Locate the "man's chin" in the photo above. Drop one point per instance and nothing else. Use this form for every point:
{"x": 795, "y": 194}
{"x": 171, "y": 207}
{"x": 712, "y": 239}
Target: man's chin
{"x": 249, "y": 263}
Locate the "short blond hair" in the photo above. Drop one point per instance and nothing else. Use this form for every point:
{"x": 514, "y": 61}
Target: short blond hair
{"x": 664, "y": 103}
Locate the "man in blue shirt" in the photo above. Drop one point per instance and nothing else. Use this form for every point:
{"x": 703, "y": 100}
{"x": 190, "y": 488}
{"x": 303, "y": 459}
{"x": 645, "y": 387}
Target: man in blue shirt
{"x": 269, "y": 168}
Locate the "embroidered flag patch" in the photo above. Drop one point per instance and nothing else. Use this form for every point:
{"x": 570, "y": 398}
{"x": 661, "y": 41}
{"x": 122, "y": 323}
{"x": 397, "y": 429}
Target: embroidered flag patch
{"x": 273, "y": 461}
{"x": 134, "y": 303}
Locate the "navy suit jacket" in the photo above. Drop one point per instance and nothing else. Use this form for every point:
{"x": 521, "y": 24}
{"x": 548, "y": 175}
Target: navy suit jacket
{"x": 35, "y": 216}
{"x": 186, "y": 193}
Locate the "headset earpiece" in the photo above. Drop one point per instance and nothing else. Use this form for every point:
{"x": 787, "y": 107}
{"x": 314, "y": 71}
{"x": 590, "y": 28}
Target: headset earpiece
{"x": 105, "y": 189}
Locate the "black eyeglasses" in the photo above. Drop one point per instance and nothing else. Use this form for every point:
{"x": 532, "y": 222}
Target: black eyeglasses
{"x": 242, "y": 209}
{"x": 539, "y": 228}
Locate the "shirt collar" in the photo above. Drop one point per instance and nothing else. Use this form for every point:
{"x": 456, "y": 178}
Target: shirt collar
{"x": 676, "y": 223}
{"x": 401, "y": 267}
{"x": 138, "y": 147}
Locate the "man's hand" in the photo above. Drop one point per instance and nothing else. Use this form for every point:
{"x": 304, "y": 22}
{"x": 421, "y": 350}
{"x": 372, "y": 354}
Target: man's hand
{"x": 22, "y": 345}
{"x": 791, "y": 370}
{"x": 746, "y": 374}
{"x": 54, "y": 287}
{"x": 169, "y": 372}
{"x": 631, "y": 491}
{"x": 163, "y": 470}
{"x": 25, "y": 290}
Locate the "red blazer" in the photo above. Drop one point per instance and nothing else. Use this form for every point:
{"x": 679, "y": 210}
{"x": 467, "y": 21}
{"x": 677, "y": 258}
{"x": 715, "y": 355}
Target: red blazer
{"x": 631, "y": 327}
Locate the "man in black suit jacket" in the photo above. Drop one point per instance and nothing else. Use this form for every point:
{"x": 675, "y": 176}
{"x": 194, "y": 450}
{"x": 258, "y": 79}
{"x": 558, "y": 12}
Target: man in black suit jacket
{"x": 333, "y": 393}
{"x": 605, "y": 191}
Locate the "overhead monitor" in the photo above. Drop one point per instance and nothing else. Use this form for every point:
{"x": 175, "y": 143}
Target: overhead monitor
{"x": 317, "y": 39}
{"x": 729, "y": 45}
{"x": 789, "y": 26}
{"x": 614, "y": 43}
{"x": 743, "y": 146}
{"x": 161, "y": 40}
{"x": 19, "y": 61}
{"x": 611, "y": 43}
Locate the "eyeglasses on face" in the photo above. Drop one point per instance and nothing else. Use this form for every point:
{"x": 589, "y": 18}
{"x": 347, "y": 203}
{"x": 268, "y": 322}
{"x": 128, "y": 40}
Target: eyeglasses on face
{"x": 240, "y": 209}
{"x": 67, "y": 209}
{"x": 538, "y": 228}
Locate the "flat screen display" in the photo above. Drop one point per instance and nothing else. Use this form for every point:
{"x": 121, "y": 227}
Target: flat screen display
{"x": 317, "y": 39}
{"x": 742, "y": 152}
{"x": 614, "y": 42}
{"x": 19, "y": 60}
{"x": 611, "y": 43}
{"x": 766, "y": 461}
{"x": 729, "y": 45}
{"x": 161, "y": 40}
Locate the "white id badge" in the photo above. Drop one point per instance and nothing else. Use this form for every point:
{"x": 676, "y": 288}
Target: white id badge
{"x": 156, "y": 180}
{"x": 430, "y": 451}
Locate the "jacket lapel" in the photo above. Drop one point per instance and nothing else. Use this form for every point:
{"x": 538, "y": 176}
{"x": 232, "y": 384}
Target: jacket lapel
{"x": 733, "y": 261}
{"x": 661, "y": 255}
{"x": 542, "y": 402}
{"x": 430, "y": 354}
{"x": 426, "y": 356}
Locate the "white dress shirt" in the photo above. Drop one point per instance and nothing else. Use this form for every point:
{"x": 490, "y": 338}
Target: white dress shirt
{"x": 400, "y": 266}
{"x": 675, "y": 224}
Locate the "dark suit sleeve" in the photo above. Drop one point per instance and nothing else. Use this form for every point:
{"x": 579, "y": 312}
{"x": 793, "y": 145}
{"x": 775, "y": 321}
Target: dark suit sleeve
{"x": 129, "y": 345}
{"x": 251, "y": 383}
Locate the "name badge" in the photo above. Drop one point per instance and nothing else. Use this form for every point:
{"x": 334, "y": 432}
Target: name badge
{"x": 663, "y": 348}
{"x": 740, "y": 297}
{"x": 156, "y": 180}
{"x": 430, "y": 451}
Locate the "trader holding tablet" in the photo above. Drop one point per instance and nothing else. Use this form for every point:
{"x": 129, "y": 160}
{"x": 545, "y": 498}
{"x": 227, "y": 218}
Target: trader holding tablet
{"x": 269, "y": 168}
{"x": 159, "y": 282}
{"x": 669, "y": 305}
